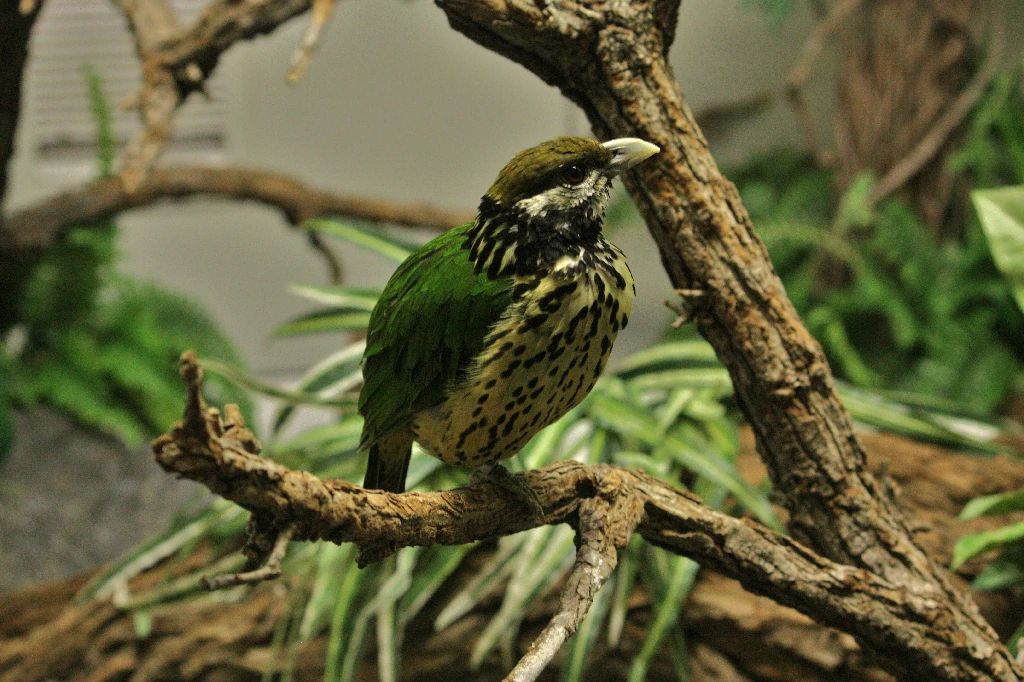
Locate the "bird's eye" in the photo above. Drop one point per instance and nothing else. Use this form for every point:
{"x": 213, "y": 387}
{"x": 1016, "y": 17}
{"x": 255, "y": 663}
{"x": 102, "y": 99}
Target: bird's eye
{"x": 574, "y": 174}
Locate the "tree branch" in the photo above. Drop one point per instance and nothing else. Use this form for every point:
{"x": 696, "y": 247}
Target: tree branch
{"x": 605, "y": 503}
{"x": 177, "y": 62}
{"x": 40, "y": 225}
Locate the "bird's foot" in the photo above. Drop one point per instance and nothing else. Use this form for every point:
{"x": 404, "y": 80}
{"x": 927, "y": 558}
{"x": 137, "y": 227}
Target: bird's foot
{"x": 508, "y": 481}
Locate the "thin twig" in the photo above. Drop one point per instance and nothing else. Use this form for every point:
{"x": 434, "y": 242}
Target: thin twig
{"x": 804, "y": 66}
{"x": 303, "y": 56}
{"x": 687, "y": 308}
{"x": 268, "y": 571}
{"x": 601, "y": 536}
{"x": 176, "y": 62}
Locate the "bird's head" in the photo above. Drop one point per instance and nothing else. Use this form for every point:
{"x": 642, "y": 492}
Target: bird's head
{"x": 565, "y": 175}
{"x": 549, "y": 197}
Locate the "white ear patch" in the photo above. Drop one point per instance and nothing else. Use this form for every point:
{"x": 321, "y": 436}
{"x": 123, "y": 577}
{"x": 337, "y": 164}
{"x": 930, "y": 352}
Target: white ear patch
{"x": 566, "y": 197}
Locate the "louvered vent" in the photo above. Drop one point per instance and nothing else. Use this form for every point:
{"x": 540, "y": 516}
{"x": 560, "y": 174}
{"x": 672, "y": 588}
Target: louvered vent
{"x": 70, "y": 35}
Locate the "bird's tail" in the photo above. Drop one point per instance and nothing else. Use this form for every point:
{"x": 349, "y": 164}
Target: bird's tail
{"x": 388, "y": 463}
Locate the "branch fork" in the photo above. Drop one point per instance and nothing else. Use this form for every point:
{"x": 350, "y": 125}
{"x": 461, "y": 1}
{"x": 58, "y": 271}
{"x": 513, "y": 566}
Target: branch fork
{"x": 605, "y": 504}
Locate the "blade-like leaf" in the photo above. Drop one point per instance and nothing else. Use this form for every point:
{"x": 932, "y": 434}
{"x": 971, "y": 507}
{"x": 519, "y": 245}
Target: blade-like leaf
{"x": 674, "y": 586}
{"x": 991, "y": 505}
{"x": 436, "y": 566}
{"x": 496, "y": 569}
{"x": 974, "y": 544}
{"x": 626, "y": 573}
{"x": 691, "y": 450}
{"x": 338, "y": 296}
{"x": 668, "y": 354}
{"x": 249, "y": 381}
{"x": 373, "y": 239}
{"x": 546, "y": 553}
{"x": 330, "y": 320}
{"x": 333, "y": 563}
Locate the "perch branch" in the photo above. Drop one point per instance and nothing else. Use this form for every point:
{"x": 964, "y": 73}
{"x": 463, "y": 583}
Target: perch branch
{"x": 41, "y": 224}
{"x": 605, "y": 503}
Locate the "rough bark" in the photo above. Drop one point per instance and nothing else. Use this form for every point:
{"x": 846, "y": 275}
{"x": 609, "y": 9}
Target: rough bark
{"x": 15, "y": 30}
{"x": 609, "y": 58}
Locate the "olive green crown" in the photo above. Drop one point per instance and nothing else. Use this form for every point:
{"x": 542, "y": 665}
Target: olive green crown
{"x": 538, "y": 168}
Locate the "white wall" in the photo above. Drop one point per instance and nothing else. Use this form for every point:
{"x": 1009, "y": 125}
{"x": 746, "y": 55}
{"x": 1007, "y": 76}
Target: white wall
{"x": 398, "y": 105}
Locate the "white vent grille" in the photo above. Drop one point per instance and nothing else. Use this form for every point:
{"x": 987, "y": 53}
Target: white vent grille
{"x": 69, "y": 36}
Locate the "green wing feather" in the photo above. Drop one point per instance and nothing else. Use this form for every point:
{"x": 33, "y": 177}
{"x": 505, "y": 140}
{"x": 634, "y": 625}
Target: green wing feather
{"x": 430, "y": 322}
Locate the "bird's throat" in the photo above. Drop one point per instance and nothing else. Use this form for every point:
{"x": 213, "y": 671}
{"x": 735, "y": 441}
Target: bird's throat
{"x": 506, "y": 242}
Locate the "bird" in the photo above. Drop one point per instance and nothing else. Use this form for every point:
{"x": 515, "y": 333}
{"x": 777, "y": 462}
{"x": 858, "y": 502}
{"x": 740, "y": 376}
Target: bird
{"x": 497, "y": 328}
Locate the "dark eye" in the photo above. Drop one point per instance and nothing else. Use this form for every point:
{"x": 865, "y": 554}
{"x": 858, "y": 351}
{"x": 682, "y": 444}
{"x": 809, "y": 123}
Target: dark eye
{"x": 574, "y": 174}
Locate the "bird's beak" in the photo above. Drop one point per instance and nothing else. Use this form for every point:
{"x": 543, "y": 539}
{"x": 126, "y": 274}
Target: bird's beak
{"x": 628, "y": 151}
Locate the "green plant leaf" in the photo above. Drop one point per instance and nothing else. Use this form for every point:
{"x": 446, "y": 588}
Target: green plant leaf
{"x": 972, "y": 545}
{"x": 331, "y": 320}
{"x": 370, "y": 238}
{"x": 993, "y": 505}
{"x": 338, "y": 296}
{"x": 538, "y": 564}
{"x": 671, "y": 583}
{"x": 1002, "y": 216}
{"x": 1006, "y": 570}
{"x": 498, "y": 567}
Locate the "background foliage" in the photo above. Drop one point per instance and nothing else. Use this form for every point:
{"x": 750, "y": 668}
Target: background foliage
{"x": 101, "y": 346}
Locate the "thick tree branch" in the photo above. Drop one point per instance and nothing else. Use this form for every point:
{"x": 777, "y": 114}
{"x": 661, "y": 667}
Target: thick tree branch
{"x": 604, "y": 503}
{"x": 40, "y": 225}
{"x": 609, "y": 58}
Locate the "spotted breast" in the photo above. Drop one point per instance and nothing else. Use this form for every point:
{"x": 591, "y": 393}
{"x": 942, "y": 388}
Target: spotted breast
{"x": 539, "y": 361}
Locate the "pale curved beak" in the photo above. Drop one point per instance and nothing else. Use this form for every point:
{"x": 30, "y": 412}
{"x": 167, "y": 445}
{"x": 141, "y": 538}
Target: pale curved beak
{"x": 628, "y": 151}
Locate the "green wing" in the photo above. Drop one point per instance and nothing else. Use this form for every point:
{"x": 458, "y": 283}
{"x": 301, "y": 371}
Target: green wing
{"x": 430, "y": 322}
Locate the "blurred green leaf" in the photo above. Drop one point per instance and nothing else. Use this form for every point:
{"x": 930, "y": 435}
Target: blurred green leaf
{"x": 972, "y": 545}
{"x": 371, "y": 238}
{"x": 1002, "y": 216}
{"x": 993, "y": 505}
{"x": 671, "y": 582}
{"x": 1006, "y": 570}
{"x": 331, "y": 320}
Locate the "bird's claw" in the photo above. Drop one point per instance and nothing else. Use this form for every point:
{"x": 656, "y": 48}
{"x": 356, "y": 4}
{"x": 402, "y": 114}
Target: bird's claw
{"x": 506, "y": 480}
